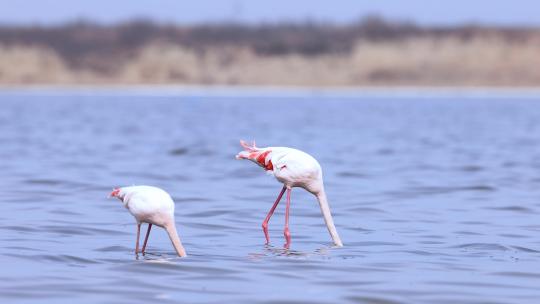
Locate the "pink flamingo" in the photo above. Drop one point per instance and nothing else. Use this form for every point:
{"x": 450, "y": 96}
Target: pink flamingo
{"x": 153, "y": 206}
{"x": 293, "y": 168}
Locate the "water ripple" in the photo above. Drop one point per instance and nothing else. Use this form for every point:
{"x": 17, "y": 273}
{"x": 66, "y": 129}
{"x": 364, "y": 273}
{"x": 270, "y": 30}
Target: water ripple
{"x": 434, "y": 198}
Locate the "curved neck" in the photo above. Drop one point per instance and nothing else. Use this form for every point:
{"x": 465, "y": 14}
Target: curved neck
{"x": 325, "y": 209}
{"x": 175, "y": 239}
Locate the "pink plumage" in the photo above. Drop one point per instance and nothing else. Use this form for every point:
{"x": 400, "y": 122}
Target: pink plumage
{"x": 292, "y": 168}
{"x": 153, "y": 206}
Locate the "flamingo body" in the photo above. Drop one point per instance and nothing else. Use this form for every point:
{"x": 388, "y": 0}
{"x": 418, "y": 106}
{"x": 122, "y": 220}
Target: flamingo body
{"x": 292, "y": 168}
{"x": 150, "y": 205}
{"x": 295, "y": 168}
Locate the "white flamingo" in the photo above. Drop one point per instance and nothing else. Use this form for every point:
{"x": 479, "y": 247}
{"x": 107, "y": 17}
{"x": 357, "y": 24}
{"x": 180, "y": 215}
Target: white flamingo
{"x": 293, "y": 168}
{"x": 153, "y": 206}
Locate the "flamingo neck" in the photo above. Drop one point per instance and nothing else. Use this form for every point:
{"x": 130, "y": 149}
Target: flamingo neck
{"x": 325, "y": 209}
{"x": 175, "y": 239}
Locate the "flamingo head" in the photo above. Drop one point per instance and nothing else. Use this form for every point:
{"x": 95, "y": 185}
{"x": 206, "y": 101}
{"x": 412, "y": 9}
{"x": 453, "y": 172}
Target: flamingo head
{"x": 115, "y": 193}
{"x": 249, "y": 151}
{"x": 256, "y": 155}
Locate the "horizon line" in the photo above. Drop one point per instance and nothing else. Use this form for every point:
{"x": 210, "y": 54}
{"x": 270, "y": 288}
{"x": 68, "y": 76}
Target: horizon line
{"x": 273, "y": 22}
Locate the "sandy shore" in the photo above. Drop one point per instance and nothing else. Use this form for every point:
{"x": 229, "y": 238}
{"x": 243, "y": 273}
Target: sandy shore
{"x": 484, "y": 61}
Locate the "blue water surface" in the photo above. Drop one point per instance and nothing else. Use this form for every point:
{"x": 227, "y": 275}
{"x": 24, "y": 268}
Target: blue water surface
{"x": 436, "y": 197}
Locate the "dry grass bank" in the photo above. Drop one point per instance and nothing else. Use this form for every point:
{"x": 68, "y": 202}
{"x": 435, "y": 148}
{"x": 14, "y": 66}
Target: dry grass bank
{"x": 417, "y": 61}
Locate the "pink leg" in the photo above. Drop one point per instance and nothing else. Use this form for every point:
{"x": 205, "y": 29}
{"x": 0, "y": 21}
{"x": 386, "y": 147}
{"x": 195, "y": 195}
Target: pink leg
{"x": 265, "y": 222}
{"x": 286, "y": 232}
{"x": 146, "y": 238}
{"x": 138, "y": 235}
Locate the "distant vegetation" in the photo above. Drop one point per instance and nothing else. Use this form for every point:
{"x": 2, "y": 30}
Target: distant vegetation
{"x": 371, "y": 52}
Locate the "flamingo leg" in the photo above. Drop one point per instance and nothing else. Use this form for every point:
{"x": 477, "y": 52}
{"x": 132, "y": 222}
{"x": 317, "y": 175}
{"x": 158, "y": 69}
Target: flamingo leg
{"x": 138, "y": 235}
{"x": 269, "y": 215}
{"x": 286, "y": 232}
{"x": 146, "y": 238}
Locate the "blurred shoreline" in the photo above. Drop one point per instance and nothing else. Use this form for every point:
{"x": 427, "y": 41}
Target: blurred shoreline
{"x": 373, "y": 53}
{"x": 272, "y": 91}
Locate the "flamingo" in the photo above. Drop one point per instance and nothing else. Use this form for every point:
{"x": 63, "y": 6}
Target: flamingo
{"x": 293, "y": 168}
{"x": 150, "y": 205}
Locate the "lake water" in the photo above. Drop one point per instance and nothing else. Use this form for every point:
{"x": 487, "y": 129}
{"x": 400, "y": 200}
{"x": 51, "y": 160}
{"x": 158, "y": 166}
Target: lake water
{"x": 436, "y": 197}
